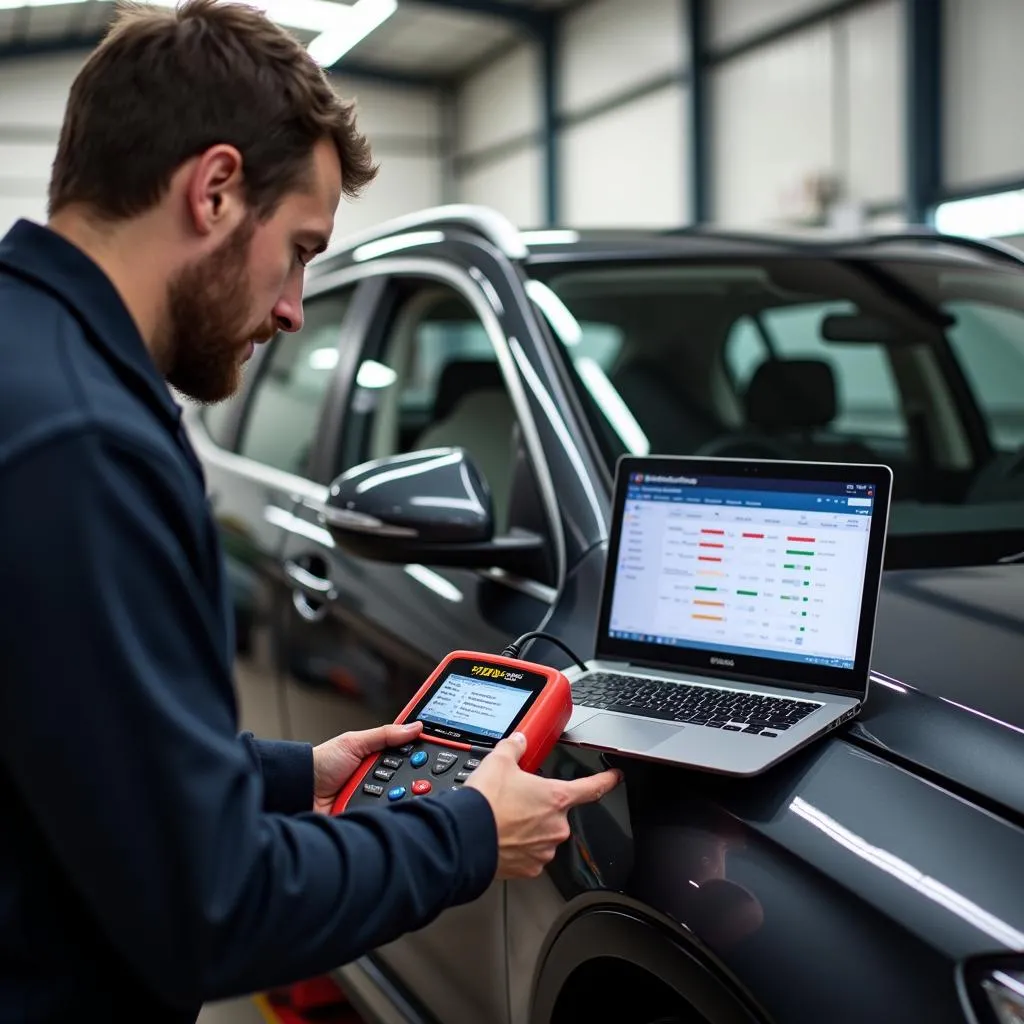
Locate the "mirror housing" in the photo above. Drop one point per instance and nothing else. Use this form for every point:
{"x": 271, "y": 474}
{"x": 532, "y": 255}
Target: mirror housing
{"x": 431, "y": 507}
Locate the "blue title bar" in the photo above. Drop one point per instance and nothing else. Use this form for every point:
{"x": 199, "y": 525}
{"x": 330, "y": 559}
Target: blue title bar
{"x": 736, "y": 499}
{"x": 745, "y": 483}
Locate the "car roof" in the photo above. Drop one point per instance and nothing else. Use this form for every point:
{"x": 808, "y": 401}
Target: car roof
{"x": 547, "y": 246}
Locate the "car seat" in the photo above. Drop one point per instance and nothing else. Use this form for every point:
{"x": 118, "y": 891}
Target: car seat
{"x": 786, "y": 402}
{"x": 671, "y": 424}
{"x": 472, "y": 410}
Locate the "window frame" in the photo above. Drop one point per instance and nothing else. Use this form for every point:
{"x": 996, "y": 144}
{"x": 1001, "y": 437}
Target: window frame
{"x": 385, "y": 274}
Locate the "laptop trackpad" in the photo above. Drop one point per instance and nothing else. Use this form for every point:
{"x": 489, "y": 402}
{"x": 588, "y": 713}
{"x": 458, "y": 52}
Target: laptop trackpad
{"x": 619, "y": 732}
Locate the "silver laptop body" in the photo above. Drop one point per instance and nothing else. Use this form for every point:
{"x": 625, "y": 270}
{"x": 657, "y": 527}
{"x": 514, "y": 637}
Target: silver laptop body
{"x": 737, "y": 611}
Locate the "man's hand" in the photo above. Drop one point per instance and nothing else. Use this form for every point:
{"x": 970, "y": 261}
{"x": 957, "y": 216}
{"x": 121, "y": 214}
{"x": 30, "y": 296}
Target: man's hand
{"x": 531, "y": 812}
{"x": 336, "y": 760}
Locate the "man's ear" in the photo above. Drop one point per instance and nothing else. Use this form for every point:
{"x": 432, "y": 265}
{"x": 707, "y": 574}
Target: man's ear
{"x": 215, "y": 191}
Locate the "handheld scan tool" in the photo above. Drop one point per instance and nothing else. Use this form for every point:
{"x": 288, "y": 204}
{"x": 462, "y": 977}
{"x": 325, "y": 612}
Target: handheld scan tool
{"x": 469, "y": 703}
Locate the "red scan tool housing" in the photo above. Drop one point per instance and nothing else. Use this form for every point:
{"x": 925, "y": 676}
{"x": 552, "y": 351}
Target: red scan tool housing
{"x": 470, "y": 702}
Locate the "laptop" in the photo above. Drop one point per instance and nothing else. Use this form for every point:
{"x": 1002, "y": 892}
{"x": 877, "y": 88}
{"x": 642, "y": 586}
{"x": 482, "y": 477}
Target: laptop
{"x": 737, "y": 613}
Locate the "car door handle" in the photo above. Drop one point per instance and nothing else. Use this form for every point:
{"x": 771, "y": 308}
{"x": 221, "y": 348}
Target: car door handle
{"x": 309, "y": 583}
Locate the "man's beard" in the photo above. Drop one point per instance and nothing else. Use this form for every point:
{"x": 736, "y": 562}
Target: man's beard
{"x": 209, "y": 305}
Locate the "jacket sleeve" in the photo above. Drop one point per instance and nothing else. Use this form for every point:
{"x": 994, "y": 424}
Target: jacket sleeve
{"x": 287, "y": 772}
{"x": 120, "y": 736}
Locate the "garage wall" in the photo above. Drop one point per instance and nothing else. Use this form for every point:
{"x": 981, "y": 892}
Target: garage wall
{"x": 497, "y": 151}
{"x": 32, "y": 97}
{"x": 404, "y": 125}
{"x": 406, "y": 131}
{"x": 983, "y": 143}
{"x": 827, "y": 101}
{"x": 625, "y": 136}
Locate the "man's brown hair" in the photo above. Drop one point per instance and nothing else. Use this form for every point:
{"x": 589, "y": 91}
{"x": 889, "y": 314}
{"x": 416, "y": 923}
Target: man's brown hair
{"x": 165, "y": 85}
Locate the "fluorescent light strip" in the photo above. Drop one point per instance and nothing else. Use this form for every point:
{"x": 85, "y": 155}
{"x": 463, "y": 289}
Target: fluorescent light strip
{"x": 339, "y": 26}
{"x": 309, "y": 15}
{"x": 366, "y": 15}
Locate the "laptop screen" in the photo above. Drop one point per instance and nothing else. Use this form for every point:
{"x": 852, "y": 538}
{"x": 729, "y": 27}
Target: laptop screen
{"x": 746, "y": 568}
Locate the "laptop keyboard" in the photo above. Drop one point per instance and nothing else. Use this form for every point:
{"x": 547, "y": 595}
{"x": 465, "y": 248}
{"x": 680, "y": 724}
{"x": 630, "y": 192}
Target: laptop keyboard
{"x": 730, "y": 710}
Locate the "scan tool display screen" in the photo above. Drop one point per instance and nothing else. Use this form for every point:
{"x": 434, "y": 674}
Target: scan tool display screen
{"x": 478, "y": 702}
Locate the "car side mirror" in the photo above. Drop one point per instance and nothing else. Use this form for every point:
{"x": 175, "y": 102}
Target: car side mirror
{"x": 432, "y": 507}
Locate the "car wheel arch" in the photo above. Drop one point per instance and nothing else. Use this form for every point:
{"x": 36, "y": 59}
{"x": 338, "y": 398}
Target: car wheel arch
{"x": 600, "y": 928}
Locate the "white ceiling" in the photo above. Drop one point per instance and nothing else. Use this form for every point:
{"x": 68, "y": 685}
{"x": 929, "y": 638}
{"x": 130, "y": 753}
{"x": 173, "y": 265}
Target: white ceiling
{"x": 421, "y": 38}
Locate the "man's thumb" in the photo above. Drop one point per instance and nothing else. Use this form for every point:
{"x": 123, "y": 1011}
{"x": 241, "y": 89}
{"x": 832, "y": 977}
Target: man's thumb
{"x": 514, "y": 746}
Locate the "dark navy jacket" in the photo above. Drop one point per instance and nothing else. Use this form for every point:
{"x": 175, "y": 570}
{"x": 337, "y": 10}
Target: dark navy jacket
{"x": 150, "y": 857}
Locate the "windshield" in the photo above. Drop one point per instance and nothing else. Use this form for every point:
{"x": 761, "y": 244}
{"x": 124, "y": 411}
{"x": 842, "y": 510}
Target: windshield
{"x": 919, "y": 365}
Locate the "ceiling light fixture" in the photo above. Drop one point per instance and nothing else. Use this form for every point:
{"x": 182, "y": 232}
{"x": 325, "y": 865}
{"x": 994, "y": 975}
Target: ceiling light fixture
{"x": 338, "y": 26}
{"x": 308, "y": 15}
{"x": 365, "y": 16}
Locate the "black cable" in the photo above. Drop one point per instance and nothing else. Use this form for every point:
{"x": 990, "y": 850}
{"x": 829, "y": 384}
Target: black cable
{"x": 515, "y": 649}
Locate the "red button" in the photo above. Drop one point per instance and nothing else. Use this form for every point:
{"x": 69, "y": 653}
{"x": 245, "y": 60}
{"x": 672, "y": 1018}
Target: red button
{"x": 421, "y": 786}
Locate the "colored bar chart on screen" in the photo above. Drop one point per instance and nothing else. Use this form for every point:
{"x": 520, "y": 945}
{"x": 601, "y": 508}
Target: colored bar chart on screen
{"x": 770, "y": 579}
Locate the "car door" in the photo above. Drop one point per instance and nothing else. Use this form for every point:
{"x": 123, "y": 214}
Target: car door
{"x": 427, "y": 376}
{"x": 256, "y": 450}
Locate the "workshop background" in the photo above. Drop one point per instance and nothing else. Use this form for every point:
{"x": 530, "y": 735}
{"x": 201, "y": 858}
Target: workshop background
{"x": 630, "y": 112}
{"x": 856, "y": 114}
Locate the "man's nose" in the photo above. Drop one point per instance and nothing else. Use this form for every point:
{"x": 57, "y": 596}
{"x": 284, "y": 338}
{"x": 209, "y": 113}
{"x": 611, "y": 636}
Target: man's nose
{"x": 288, "y": 311}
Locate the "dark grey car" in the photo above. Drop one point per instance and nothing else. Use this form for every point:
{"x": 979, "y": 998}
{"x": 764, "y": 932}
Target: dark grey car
{"x": 874, "y": 877}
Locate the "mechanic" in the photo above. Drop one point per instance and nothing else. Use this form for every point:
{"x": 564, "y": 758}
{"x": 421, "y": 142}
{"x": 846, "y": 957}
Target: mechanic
{"x": 151, "y": 858}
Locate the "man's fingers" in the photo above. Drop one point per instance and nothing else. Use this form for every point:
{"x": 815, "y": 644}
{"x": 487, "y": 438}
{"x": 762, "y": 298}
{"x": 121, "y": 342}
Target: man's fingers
{"x": 368, "y": 741}
{"x": 396, "y": 735}
{"x": 513, "y": 747}
{"x": 592, "y": 788}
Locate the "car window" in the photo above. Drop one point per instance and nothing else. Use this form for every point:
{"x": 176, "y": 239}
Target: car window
{"x": 867, "y": 399}
{"x": 284, "y": 410}
{"x": 989, "y": 343}
{"x": 219, "y": 419}
{"x": 817, "y": 359}
{"x": 433, "y": 381}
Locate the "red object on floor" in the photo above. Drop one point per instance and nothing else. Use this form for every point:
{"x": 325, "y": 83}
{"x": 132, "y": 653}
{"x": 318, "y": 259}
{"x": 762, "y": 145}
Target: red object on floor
{"x": 314, "y": 994}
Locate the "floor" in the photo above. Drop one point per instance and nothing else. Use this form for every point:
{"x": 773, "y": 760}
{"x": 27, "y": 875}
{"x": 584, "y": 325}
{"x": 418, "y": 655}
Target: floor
{"x": 259, "y": 1010}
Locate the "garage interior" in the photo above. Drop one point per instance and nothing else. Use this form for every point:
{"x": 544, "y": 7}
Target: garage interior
{"x": 565, "y": 115}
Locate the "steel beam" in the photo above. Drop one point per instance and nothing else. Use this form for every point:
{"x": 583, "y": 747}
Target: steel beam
{"x": 525, "y": 17}
{"x": 549, "y": 120}
{"x": 924, "y": 108}
{"x": 696, "y": 19}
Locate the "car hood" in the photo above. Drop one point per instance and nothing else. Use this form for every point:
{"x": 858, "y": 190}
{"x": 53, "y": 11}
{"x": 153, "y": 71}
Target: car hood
{"x": 947, "y": 692}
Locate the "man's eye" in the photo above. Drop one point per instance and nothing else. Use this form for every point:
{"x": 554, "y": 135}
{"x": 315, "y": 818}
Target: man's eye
{"x": 301, "y": 257}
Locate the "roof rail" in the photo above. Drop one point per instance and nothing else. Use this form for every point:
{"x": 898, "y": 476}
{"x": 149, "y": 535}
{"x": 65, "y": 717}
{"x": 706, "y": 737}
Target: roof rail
{"x": 495, "y": 227}
{"x": 989, "y": 246}
{"x": 811, "y": 242}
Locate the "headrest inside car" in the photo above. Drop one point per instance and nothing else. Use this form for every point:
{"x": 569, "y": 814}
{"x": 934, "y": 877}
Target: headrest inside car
{"x": 462, "y": 376}
{"x": 791, "y": 394}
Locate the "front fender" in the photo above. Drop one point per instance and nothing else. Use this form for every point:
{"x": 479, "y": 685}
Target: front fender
{"x": 835, "y": 887}
{"x": 600, "y": 926}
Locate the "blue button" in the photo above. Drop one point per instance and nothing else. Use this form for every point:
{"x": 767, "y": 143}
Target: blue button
{"x": 419, "y": 759}
{"x": 396, "y": 793}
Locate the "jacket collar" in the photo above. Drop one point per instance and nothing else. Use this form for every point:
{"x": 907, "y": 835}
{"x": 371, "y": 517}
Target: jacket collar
{"x": 48, "y": 261}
